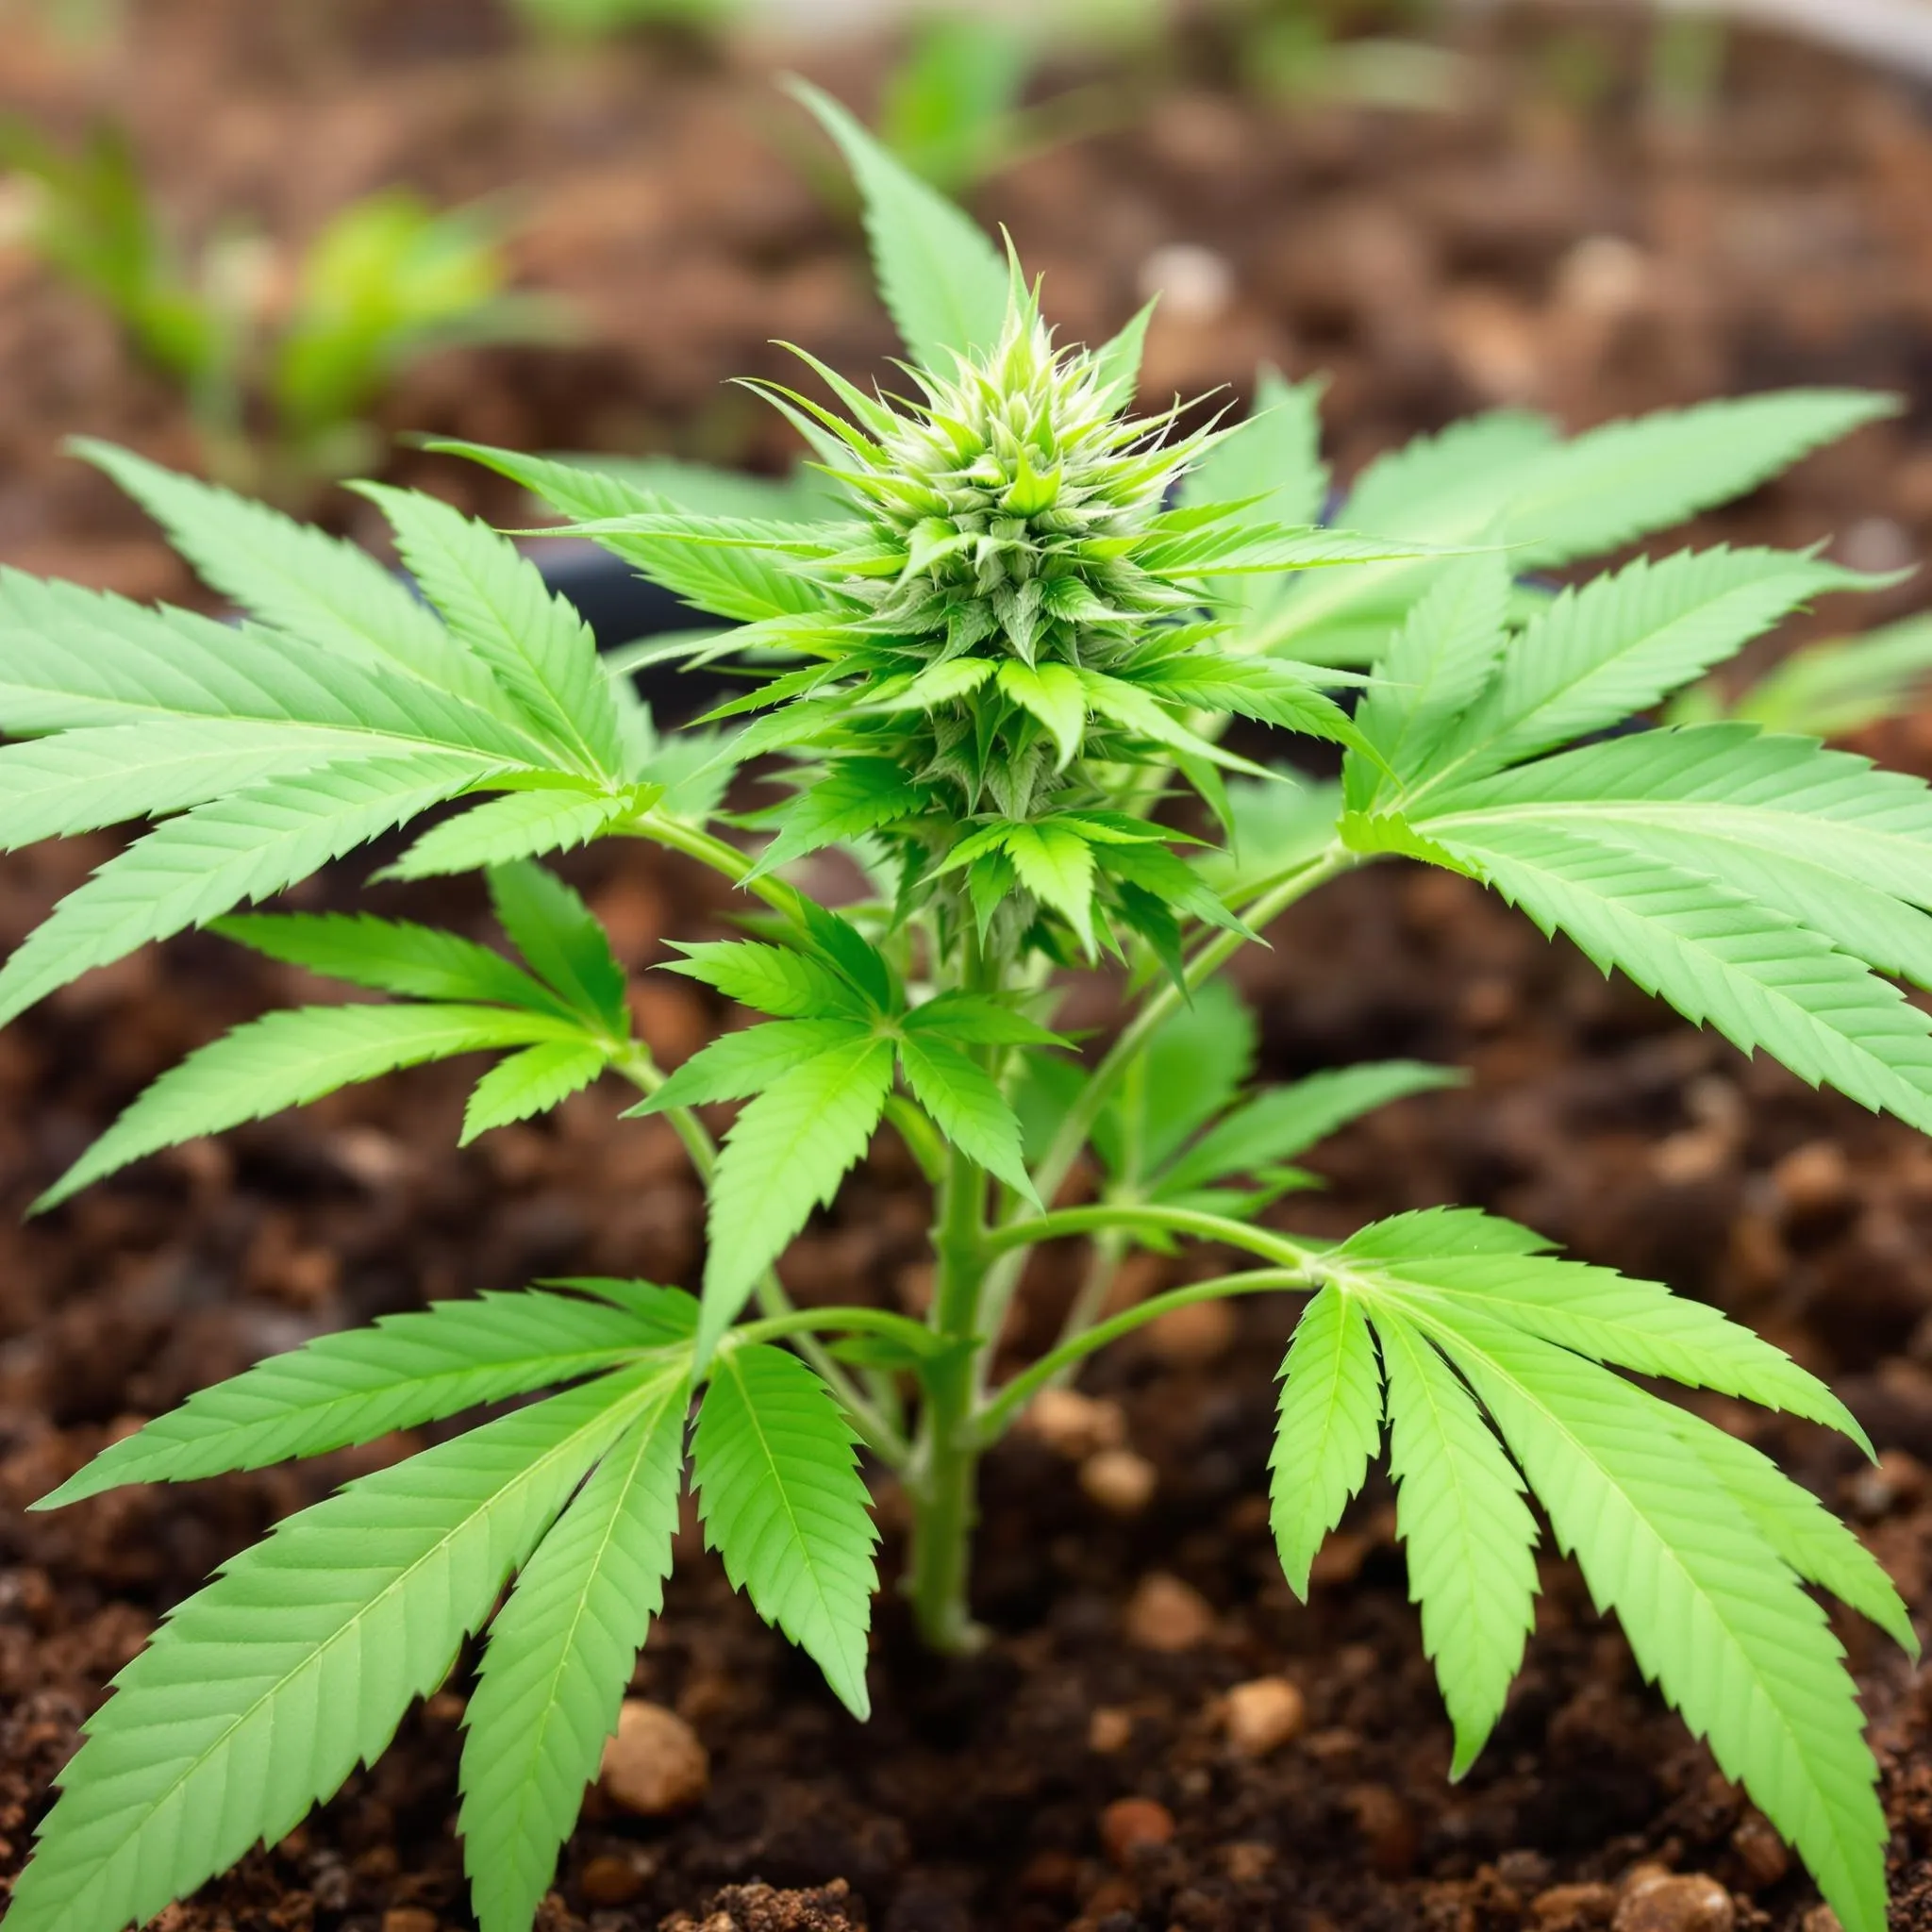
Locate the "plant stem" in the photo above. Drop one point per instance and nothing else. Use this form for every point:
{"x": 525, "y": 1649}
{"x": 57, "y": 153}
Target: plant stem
{"x": 917, "y": 1338}
{"x": 695, "y": 842}
{"x": 1283, "y": 1250}
{"x": 1103, "y": 1265}
{"x": 997, "y": 1415}
{"x": 945, "y": 1471}
{"x": 1162, "y": 1001}
{"x": 1057, "y": 1162}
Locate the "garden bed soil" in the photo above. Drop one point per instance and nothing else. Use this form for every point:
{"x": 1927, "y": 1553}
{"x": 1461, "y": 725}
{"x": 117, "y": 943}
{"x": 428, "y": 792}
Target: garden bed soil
{"x": 1554, "y": 241}
{"x": 1082, "y": 1770}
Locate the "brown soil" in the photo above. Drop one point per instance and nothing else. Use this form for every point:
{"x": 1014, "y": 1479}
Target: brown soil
{"x": 1553, "y": 242}
{"x": 1433, "y": 266}
{"x": 978, "y": 1797}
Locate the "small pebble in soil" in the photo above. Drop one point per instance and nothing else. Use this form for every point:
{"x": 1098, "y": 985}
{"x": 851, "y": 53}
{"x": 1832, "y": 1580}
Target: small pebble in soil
{"x": 1812, "y": 1181}
{"x": 410, "y": 1919}
{"x": 1572, "y": 1907}
{"x": 1388, "y": 1833}
{"x": 1761, "y": 1851}
{"x": 1193, "y": 283}
{"x": 1245, "y": 1861}
{"x": 1655, "y": 1899}
{"x": 1128, "y": 1824}
{"x": 1109, "y": 1730}
{"x": 608, "y": 1880}
{"x": 1192, "y": 1337}
{"x": 756, "y": 1908}
{"x": 1820, "y": 1919}
{"x": 1263, "y": 1715}
{"x": 1166, "y": 1614}
{"x": 1878, "y": 1489}
{"x": 1074, "y": 1424}
{"x": 1121, "y": 1482}
{"x": 655, "y": 1765}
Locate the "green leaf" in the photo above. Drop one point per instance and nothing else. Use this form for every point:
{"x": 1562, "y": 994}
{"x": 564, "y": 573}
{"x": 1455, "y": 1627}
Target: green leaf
{"x": 1281, "y": 1122}
{"x": 742, "y": 1064}
{"x": 521, "y": 824}
{"x": 1169, "y": 879}
{"x": 843, "y": 947}
{"x": 784, "y": 1504}
{"x": 1056, "y": 865}
{"x": 496, "y": 602}
{"x": 786, "y": 1153}
{"x": 854, "y": 797}
{"x": 1626, "y": 479}
{"x": 772, "y": 979}
{"x": 83, "y": 780}
{"x": 1195, "y": 1062}
{"x": 1819, "y": 835}
{"x": 1330, "y": 1424}
{"x": 1623, "y": 642}
{"x": 323, "y": 590}
{"x": 1054, "y": 694}
{"x": 1453, "y": 1254}
{"x": 1713, "y": 1614}
{"x": 729, "y": 583}
{"x": 972, "y": 1019}
{"x": 670, "y": 1313}
{"x": 191, "y": 869}
{"x": 1759, "y": 978}
{"x": 967, "y": 1107}
{"x": 1437, "y": 663}
{"x": 260, "y": 1695}
{"x": 560, "y": 938}
{"x": 1469, "y": 1537}
{"x": 942, "y": 278}
{"x": 1843, "y": 685}
{"x": 389, "y": 956}
{"x": 75, "y": 659}
{"x": 399, "y": 1372}
{"x": 1445, "y": 488}
{"x": 1271, "y": 462}
{"x": 800, "y": 496}
{"x": 1799, "y": 1527}
{"x": 1117, "y": 361}
{"x": 288, "y": 1059}
{"x": 559, "y": 1657}
{"x": 531, "y": 1082}
{"x": 1238, "y": 549}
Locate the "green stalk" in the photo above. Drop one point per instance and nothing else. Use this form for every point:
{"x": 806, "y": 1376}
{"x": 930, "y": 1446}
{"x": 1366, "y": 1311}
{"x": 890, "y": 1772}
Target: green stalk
{"x": 944, "y": 1476}
{"x": 998, "y": 1415}
{"x": 1161, "y": 1000}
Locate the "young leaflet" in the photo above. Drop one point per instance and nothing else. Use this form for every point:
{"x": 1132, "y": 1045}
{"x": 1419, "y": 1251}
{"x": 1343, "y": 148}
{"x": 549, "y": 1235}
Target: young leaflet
{"x": 1006, "y": 626}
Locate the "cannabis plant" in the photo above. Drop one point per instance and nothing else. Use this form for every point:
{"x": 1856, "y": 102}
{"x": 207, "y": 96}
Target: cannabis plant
{"x": 279, "y": 391}
{"x": 998, "y": 673}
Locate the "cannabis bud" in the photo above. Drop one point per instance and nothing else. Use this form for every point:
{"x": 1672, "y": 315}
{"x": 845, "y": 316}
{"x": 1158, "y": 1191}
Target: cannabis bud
{"x": 1012, "y": 500}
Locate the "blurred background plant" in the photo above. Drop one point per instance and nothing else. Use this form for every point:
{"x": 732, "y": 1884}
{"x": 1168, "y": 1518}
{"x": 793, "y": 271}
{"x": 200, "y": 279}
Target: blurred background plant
{"x": 572, "y": 20}
{"x": 1835, "y": 688}
{"x": 278, "y": 360}
{"x": 1374, "y": 53}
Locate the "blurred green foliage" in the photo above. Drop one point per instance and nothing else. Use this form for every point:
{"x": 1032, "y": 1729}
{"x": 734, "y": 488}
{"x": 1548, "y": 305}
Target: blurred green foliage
{"x": 1828, "y": 689}
{"x": 590, "y": 20}
{"x": 279, "y": 388}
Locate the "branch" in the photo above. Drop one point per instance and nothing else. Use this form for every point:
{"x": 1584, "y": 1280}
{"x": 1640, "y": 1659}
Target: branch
{"x": 998, "y": 1414}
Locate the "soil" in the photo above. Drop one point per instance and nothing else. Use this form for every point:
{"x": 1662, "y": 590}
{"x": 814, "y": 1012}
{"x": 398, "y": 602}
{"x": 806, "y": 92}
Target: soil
{"x": 1555, "y": 240}
{"x": 1080, "y": 1772}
